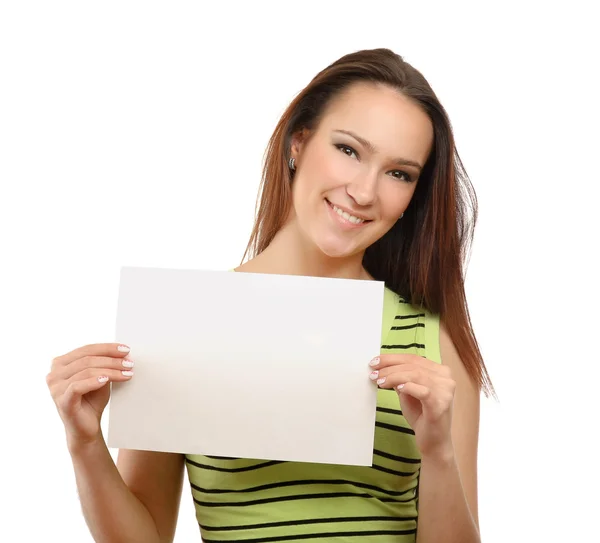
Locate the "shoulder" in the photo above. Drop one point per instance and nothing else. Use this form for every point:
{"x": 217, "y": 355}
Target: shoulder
{"x": 450, "y": 357}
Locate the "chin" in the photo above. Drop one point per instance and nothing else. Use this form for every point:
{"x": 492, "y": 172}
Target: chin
{"x": 336, "y": 249}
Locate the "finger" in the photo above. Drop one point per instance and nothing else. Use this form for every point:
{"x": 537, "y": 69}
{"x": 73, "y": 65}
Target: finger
{"x": 117, "y": 350}
{"x": 81, "y": 364}
{"x": 70, "y": 401}
{"x": 386, "y": 360}
{"x": 393, "y": 376}
{"x": 420, "y": 392}
{"x": 91, "y": 373}
{"x": 407, "y": 370}
{"x": 399, "y": 368}
{"x": 435, "y": 402}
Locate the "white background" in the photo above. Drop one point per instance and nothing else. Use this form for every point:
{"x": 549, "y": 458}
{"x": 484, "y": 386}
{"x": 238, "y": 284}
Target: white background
{"x": 133, "y": 133}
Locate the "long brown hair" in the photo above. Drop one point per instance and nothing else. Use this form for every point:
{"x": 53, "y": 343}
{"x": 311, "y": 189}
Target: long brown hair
{"x": 421, "y": 258}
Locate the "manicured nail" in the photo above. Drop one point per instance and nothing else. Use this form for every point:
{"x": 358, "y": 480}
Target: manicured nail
{"x": 381, "y": 381}
{"x": 373, "y": 375}
{"x": 127, "y": 363}
{"x": 123, "y": 349}
{"x": 374, "y": 362}
{"x": 400, "y": 387}
{"x": 127, "y": 373}
{"x": 103, "y": 379}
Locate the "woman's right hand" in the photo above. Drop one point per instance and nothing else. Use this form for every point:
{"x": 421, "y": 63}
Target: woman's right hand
{"x": 78, "y": 382}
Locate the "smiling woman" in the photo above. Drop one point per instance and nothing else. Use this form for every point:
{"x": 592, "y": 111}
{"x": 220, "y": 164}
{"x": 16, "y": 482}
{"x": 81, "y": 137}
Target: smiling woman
{"x": 362, "y": 180}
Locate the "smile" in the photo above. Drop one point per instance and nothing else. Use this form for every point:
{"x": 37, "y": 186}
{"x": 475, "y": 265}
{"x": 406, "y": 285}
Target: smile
{"x": 344, "y": 217}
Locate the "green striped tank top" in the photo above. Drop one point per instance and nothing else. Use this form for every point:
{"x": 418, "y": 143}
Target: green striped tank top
{"x": 255, "y": 501}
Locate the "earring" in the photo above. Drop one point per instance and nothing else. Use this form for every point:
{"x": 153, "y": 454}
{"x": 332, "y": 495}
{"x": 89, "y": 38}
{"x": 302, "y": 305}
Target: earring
{"x": 402, "y": 215}
{"x": 292, "y": 164}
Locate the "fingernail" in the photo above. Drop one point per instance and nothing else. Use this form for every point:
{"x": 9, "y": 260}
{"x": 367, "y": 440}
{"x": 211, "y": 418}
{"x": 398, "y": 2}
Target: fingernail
{"x": 400, "y": 387}
{"x": 373, "y": 375}
{"x": 103, "y": 379}
{"x": 374, "y": 362}
{"x": 123, "y": 349}
{"x": 381, "y": 381}
{"x": 127, "y": 373}
{"x": 127, "y": 363}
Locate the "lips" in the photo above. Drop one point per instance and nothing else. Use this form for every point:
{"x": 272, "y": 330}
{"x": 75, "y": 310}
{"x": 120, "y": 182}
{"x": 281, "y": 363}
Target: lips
{"x": 343, "y": 220}
{"x": 349, "y": 212}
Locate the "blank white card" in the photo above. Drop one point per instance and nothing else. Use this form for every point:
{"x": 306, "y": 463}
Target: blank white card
{"x": 247, "y": 365}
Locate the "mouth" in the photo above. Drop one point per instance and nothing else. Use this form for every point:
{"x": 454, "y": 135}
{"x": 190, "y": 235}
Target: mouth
{"x": 346, "y": 218}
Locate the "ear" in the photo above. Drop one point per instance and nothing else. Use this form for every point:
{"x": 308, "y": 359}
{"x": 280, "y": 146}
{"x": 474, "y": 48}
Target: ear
{"x": 299, "y": 140}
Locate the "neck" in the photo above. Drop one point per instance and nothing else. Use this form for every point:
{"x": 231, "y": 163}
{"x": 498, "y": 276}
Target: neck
{"x": 290, "y": 254}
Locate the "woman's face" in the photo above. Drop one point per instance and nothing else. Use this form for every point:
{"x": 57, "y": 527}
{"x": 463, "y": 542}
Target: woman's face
{"x": 347, "y": 195}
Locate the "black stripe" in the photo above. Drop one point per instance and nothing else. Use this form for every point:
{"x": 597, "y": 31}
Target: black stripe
{"x": 408, "y": 327}
{"x": 397, "y": 458}
{"x": 222, "y": 457}
{"x": 399, "y": 317}
{"x": 395, "y": 428}
{"x": 299, "y": 522}
{"x": 234, "y": 470}
{"x": 410, "y": 345}
{"x": 300, "y": 497}
{"x": 388, "y": 410}
{"x": 313, "y": 536}
{"x": 301, "y": 482}
{"x": 394, "y": 472}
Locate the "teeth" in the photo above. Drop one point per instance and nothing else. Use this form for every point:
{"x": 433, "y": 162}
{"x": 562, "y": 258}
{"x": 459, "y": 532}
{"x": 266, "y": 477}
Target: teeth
{"x": 347, "y": 216}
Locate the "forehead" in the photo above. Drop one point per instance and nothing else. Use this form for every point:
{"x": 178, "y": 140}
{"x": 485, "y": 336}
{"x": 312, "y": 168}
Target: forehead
{"x": 388, "y": 119}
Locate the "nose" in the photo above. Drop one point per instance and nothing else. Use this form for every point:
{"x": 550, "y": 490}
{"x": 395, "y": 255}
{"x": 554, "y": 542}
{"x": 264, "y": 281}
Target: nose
{"x": 363, "y": 189}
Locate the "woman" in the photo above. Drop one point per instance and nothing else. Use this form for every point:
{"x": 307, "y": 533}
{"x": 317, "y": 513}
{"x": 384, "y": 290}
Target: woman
{"x": 361, "y": 181}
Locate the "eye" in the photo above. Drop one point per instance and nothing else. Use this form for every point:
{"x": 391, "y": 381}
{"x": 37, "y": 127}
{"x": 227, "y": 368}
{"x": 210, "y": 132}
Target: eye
{"x": 407, "y": 176}
{"x": 343, "y": 148}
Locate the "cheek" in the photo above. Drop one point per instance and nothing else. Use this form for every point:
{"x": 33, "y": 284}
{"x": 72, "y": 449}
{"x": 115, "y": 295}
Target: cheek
{"x": 329, "y": 167}
{"x": 394, "y": 200}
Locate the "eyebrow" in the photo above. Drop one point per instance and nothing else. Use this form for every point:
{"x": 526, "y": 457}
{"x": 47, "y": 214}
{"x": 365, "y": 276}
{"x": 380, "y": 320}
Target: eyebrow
{"x": 373, "y": 149}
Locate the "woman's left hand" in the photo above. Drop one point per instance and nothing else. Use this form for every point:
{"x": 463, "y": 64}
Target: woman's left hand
{"x": 426, "y": 391}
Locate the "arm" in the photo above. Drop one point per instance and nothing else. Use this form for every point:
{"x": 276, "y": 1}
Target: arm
{"x": 137, "y": 502}
{"x": 160, "y": 492}
{"x": 448, "y": 510}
